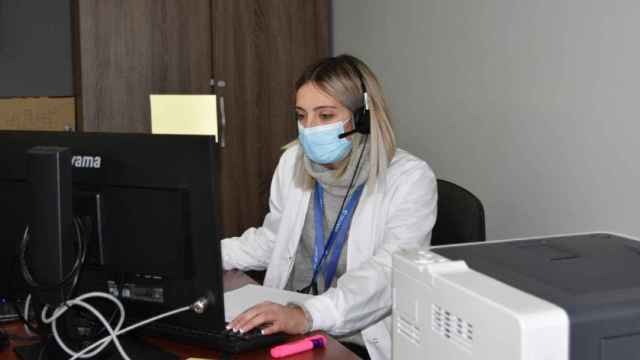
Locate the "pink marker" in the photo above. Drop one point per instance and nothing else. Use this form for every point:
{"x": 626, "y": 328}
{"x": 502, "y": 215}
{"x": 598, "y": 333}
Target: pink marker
{"x": 308, "y": 343}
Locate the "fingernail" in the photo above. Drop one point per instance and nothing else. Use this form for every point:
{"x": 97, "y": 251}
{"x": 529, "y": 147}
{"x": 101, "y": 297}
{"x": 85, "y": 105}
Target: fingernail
{"x": 261, "y": 331}
{"x": 228, "y": 327}
{"x": 241, "y": 331}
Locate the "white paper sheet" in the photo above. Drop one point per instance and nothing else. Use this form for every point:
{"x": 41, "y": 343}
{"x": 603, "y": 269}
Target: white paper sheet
{"x": 184, "y": 114}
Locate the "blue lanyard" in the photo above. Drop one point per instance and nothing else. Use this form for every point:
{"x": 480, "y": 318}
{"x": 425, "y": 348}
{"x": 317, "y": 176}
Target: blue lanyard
{"x": 337, "y": 236}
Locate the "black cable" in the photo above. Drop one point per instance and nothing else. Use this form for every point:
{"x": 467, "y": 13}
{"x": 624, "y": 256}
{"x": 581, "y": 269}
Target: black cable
{"x": 70, "y": 277}
{"x": 68, "y": 286}
{"x": 81, "y": 233}
{"x": 313, "y": 283}
{"x": 36, "y": 289}
{"x": 14, "y": 303}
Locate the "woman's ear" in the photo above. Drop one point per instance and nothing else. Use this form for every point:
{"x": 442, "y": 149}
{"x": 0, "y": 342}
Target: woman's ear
{"x": 350, "y": 124}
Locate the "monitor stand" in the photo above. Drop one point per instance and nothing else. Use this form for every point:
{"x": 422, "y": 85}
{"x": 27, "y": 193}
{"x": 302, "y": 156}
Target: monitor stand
{"x": 135, "y": 348}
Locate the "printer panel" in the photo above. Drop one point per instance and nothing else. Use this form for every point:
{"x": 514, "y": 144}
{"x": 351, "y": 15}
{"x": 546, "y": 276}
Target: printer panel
{"x": 593, "y": 277}
{"x": 443, "y": 310}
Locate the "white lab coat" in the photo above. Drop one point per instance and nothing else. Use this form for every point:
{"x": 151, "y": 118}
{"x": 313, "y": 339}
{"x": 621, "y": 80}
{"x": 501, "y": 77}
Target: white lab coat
{"x": 399, "y": 213}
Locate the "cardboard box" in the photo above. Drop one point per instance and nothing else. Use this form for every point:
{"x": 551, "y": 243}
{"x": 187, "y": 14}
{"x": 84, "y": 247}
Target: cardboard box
{"x": 39, "y": 113}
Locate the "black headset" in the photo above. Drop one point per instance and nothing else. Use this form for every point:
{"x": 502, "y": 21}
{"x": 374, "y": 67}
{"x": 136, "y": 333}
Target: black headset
{"x": 361, "y": 115}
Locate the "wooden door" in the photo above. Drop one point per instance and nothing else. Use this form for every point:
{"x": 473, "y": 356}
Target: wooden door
{"x": 126, "y": 50}
{"x": 259, "y": 49}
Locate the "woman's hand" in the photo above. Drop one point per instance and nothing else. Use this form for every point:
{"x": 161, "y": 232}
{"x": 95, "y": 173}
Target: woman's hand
{"x": 275, "y": 318}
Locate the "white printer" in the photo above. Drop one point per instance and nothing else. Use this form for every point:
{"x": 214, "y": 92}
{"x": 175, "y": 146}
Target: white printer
{"x": 559, "y": 298}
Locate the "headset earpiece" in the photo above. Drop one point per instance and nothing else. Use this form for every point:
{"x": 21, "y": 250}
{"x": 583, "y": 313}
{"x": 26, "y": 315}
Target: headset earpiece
{"x": 362, "y": 115}
{"x": 362, "y": 120}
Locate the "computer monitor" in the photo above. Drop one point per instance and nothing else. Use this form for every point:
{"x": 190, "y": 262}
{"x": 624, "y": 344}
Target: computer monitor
{"x": 148, "y": 204}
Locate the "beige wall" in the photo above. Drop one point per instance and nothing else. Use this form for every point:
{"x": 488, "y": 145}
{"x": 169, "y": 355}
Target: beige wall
{"x": 533, "y": 105}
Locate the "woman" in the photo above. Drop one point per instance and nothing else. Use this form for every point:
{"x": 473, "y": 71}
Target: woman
{"x": 386, "y": 199}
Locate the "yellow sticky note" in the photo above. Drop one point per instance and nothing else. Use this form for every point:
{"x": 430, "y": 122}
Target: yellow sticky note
{"x": 184, "y": 114}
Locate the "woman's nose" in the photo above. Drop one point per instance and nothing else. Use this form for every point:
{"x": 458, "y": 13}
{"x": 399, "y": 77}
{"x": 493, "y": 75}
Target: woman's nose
{"x": 308, "y": 121}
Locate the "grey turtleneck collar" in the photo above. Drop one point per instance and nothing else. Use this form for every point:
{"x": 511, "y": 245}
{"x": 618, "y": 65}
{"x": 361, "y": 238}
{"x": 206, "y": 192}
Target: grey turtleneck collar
{"x": 328, "y": 178}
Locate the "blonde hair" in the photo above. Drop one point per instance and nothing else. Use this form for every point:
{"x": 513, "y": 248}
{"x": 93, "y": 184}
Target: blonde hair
{"x": 344, "y": 77}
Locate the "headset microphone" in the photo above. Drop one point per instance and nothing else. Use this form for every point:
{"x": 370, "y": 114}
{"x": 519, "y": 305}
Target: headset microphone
{"x": 345, "y": 134}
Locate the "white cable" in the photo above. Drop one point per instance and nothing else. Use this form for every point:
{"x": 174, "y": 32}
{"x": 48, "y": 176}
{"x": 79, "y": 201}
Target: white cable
{"x": 79, "y": 302}
{"x": 26, "y": 315}
{"x": 113, "y": 332}
{"x": 106, "y": 339}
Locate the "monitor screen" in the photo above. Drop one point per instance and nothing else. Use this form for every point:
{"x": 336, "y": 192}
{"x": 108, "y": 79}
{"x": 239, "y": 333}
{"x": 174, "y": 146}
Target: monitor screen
{"x": 147, "y": 202}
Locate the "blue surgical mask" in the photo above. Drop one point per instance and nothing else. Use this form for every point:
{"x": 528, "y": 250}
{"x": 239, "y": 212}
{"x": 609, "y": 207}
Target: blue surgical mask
{"x": 321, "y": 143}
